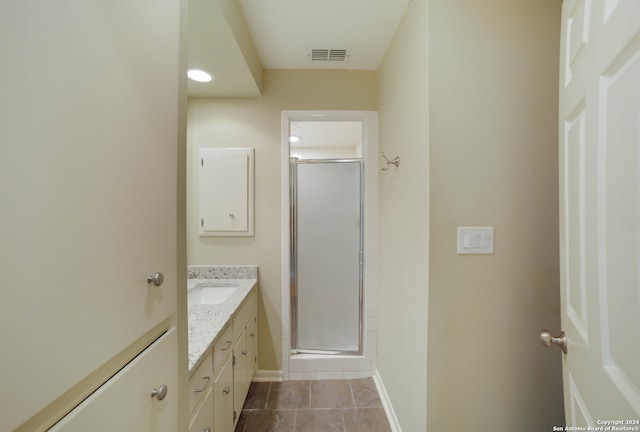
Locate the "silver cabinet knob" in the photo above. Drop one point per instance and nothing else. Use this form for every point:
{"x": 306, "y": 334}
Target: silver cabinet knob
{"x": 231, "y": 215}
{"x": 160, "y": 393}
{"x": 547, "y": 340}
{"x": 156, "y": 279}
{"x": 226, "y": 390}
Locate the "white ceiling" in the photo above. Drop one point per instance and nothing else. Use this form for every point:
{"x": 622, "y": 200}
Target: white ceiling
{"x": 283, "y": 32}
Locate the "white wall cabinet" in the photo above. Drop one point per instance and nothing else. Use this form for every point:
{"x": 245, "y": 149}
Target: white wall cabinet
{"x": 225, "y": 191}
{"x": 89, "y": 210}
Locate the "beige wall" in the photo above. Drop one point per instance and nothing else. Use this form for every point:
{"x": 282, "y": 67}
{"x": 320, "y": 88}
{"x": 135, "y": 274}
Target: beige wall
{"x": 256, "y": 123}
{"x": 493, "y": 83}
{"x": 404, "y": 221}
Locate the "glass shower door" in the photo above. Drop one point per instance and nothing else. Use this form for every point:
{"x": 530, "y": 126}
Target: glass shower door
{"x": 327, "y": 256}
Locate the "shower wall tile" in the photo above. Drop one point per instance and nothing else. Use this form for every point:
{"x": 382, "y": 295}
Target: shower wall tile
{"x": 325, "y": 375}
{"x": 371, "y": 296}
{"x": 350, "y": 364}
{"x": 364, "y": 364}
{"x": 285, "y": 358}
{"x": 371, "y": 310}
{"x": 302, "y": 365}
{"x": 296, "y": 376}
{"x": 325, "y": 365}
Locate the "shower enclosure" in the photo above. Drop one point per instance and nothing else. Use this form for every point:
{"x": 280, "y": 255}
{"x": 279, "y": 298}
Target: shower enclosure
{"x": 327, "y": 207}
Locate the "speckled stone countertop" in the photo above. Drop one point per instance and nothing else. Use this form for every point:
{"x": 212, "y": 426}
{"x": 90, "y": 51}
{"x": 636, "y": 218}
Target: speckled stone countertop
{"x": 207, "y": 321}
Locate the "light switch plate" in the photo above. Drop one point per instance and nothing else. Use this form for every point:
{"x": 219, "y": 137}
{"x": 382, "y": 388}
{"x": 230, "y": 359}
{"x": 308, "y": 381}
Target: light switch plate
{"x": 475, "y": 240}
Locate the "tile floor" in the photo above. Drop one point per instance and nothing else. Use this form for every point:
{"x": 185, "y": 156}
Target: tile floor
{"x": 313, "y": 406}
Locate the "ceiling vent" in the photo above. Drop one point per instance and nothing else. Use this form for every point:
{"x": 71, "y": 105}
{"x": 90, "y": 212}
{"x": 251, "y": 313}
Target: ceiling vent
{"x": 329, "y": 54}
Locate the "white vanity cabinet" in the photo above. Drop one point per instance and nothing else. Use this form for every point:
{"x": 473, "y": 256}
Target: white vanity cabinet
{"x": 231, "y": 363}
{"x": 244, "y": 322}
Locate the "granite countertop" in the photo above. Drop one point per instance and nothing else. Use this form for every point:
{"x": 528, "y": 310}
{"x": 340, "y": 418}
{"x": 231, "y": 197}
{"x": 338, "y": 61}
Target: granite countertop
{"x": 206, "y": 322}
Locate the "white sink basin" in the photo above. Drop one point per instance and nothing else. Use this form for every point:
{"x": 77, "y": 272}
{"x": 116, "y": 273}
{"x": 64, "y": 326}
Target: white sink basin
{"x": 214, "y": 293}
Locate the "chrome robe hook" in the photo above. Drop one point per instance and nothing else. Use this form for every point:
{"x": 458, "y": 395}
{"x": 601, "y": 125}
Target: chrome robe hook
{"x": 395, "y": 161}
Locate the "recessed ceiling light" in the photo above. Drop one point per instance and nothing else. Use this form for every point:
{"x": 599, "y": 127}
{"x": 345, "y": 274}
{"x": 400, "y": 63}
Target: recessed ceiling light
{"x": 199, "y": 75}
{"x": 294, "y": 138}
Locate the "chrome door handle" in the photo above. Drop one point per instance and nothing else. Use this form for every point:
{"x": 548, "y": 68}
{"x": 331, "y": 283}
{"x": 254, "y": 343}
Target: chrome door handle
{"x": 156, "y": 279}
{"x": 547, "y": 340}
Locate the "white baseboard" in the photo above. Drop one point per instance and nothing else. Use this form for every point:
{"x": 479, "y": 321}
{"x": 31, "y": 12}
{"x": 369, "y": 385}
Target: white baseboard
{"x": 263, "y": 375}
{"x": 386, "y": 403}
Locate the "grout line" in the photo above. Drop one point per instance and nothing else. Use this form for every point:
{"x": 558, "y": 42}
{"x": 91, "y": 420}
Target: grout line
{"x": 353, "y": 397}
{"x": 295, "y": 420}
{"x": 266, "y": 400}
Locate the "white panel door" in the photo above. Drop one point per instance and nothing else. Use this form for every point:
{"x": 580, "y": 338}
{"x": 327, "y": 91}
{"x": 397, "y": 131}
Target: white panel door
{"x": 88, "y": 184}
{"x": 600, "y": 210}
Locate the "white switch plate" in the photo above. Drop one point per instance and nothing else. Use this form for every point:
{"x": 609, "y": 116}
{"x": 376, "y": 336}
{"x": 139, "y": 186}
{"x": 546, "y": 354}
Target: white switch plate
{"x": 475, "y": 240}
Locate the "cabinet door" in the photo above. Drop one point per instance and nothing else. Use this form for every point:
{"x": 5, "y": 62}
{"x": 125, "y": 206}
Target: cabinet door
{"x": 202, "y": 420}
{"x": 124, "y": 403}
{"x": 225, "y": 191}
{"x": 252, "y": 348}
{"x": 241, "y": 385}
{"x": 88, "y": 186}
{"x": 223, "y": 399}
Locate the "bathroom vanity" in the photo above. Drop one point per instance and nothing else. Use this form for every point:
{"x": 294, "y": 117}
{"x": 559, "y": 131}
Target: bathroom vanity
{"x": 222, "y": 311}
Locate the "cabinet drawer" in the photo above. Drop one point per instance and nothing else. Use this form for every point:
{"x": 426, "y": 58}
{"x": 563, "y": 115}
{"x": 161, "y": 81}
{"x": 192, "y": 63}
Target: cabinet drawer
{"x": 202, "y": 420}
{"x": 124, "y": 403}
{"x": 200, "y": 382}
{"x": 245, "y": 311}
{"x": 222, "y": 348}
